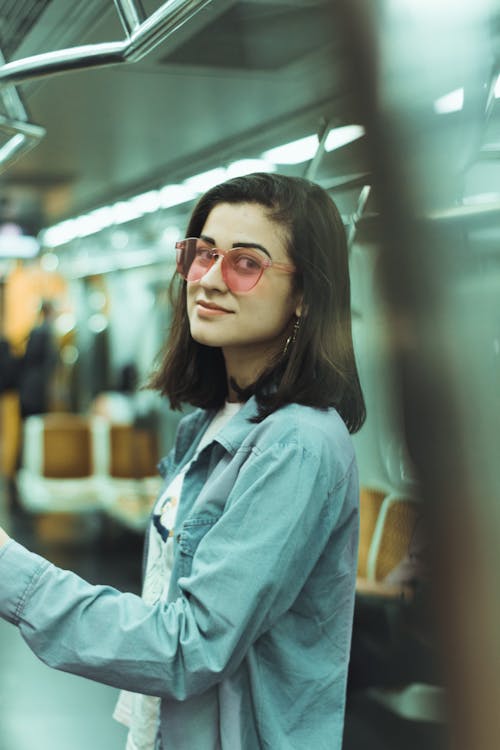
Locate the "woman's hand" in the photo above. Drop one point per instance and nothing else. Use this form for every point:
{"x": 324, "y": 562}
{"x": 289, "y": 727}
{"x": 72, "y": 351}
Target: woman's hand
{"x": 4, "y": 537}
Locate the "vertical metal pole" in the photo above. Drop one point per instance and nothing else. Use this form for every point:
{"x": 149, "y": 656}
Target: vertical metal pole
{"x": 444, "y": 323}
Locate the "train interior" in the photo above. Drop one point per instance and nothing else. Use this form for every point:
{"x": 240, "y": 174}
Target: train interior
{"x": 115, "y": 117}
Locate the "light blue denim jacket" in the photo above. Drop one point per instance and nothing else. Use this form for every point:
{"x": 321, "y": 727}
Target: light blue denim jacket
{"x": 251, "y": 650}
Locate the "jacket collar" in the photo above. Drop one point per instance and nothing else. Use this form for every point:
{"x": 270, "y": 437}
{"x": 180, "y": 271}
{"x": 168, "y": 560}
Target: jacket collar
{"x": 230, "y": 437}
{"x": 236, "y": 430}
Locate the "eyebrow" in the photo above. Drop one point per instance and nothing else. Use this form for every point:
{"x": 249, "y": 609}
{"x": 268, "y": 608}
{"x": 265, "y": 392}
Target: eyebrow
{"x": 238, "y": 244}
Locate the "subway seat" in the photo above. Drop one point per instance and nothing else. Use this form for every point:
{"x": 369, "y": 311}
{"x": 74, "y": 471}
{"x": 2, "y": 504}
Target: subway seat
{"x": 370, "y": 502}
{"x": 388, "y": 522}
{"x": 60, "y": 463}
{"x": 80, "y": 464}
{"x": 128, "y": 482}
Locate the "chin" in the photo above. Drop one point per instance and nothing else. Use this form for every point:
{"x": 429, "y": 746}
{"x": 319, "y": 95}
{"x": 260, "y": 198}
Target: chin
{"x": 204, "y": 337}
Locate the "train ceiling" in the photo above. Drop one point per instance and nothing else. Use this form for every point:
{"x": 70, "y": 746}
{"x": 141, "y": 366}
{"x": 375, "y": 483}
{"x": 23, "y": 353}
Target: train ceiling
{"x": 240, "y": 77}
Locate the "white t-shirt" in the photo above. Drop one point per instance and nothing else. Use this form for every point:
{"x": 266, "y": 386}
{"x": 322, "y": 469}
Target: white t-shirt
{"x": 141, "y": 712}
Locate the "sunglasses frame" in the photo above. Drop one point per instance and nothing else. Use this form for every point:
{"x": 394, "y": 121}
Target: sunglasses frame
{"x": 217, "y": 252}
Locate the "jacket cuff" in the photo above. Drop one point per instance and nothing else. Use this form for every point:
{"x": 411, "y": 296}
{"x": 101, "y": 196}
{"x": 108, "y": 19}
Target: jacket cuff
{"x": 19, "y": 570}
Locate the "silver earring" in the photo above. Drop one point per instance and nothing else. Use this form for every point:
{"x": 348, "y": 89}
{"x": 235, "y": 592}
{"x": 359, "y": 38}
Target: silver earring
{"x": 293, "y": 336}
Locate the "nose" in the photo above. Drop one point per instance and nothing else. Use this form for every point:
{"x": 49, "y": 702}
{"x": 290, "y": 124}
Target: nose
{"x": 213, "y": 278}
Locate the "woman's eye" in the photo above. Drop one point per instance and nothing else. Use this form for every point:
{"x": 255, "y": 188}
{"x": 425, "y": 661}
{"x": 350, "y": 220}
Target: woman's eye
{"x": 204, "y": 254}
{"x": 247, "y": 263}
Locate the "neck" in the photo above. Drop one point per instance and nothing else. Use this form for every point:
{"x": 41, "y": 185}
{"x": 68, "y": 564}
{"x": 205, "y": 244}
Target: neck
{"x": 245, "y": 366}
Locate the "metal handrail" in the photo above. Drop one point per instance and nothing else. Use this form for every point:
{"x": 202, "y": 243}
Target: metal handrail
{"x": 143, "y": 35}
{"x": 23, "y": 134}
{"x": 143, "y": 38}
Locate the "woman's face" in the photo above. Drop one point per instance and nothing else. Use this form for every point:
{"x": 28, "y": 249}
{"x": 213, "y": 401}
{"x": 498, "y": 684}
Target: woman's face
{"x": 253, "y": 326}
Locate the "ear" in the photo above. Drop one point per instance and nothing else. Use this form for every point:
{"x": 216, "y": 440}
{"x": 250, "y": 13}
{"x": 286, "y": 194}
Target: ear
{"x": 299, "y": 309}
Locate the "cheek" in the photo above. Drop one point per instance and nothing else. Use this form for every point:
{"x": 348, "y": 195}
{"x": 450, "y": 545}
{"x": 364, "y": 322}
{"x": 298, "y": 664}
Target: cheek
{"x": 270, "y": 310}
{"x": 190, "y": 296}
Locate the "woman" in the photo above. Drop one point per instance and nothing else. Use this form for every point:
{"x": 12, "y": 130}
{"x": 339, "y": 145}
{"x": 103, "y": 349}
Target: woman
{"x": 241, "y": 639}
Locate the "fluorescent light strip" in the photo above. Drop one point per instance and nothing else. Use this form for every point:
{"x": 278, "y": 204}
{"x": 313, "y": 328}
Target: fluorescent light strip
{"x": 454, "y": 100}
{"x": 294, "y": 152}
{"x": 304, "y": 149}
{"x": 168, "y": 196}
{"x": 338, "y": 137}
{"x": 200, "y": 183}
{"x": 451, "y": 102}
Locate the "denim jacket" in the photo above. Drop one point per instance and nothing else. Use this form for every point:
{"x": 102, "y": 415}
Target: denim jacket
{"x": 251, "y": 649}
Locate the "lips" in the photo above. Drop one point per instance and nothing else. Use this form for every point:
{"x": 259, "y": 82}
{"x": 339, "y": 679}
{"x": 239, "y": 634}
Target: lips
{"x": 211, "y": 306}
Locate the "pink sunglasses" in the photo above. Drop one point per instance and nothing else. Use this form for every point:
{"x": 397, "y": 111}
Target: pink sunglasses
{"x": 241, "y": 267}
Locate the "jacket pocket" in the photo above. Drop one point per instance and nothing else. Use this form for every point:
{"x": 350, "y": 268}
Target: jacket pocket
{"x": 192, "y": 532}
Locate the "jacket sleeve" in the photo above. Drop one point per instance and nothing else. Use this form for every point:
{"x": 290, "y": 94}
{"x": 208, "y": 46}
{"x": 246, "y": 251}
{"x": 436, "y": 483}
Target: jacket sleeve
{"x": 246, "y": 571}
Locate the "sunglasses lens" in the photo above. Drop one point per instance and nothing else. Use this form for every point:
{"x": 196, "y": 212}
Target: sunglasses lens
{"x": 243, "y": 269}
{"x": 193, "y": 259}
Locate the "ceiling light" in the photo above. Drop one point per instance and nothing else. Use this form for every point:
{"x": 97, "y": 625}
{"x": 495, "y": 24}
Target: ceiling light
{"x": 123, "y": 211}
{"x": 170, "y": 235}
{"x": 247, "y": 166}
{"x": 97, "y": 323}
{"x": 94, "y": 221}
{"x": 294, "y": 152}
{"x": 452, "y": 102}
{"x": 60, "y": 233}
{"x": 174, "y": 195}
{"x": 18, "y": 246}
{"x": 49, "y": 262}
{"x": 64, "y": 323}
{"x": 146, "y": 203}
{"x": 497, "y": 88}
{"x": 338, "y": 137}
{"x": 206, "y": 180}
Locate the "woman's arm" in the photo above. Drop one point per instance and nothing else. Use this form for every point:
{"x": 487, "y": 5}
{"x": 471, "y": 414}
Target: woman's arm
{"x": 246, "y": 571}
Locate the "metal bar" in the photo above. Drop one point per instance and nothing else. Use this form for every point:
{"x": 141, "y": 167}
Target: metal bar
{"x": 11, "y": 99}
{"x": 24, "y": 135}
{"x": 131, "y": 14}
{"x": 15, "y": 147}
{"x": 61, "y": 61}
{"x": 353, "y": 224}
{"x": 13, "y": 103}
{"x": 163, "y": 22}
{"x": 313, "y": 165}
{"x": 347, "y": 182}
{"x": 21, "y": 126}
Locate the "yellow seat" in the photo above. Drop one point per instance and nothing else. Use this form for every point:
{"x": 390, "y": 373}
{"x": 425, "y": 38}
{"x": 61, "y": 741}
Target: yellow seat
{"x": 370, "y": 502}
{"x": 392, "y": 535}
{"x": 130, "y": 482}
{"x": 59, "y": 464}
{"x": 10, "y": 433}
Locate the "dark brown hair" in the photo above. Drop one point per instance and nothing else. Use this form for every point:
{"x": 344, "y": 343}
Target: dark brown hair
{"x": 319, "y": 368}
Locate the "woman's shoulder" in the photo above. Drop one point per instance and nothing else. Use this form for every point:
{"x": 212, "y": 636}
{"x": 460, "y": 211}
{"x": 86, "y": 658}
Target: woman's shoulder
{"x": 303, "y": 419}
{"x": 319, "y": 432}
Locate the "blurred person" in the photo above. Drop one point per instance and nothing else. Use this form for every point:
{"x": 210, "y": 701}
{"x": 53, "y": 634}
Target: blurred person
{"x": 9, "y": 366}
{"x": 38, "y": 364}
{"x": 241, "y": 637}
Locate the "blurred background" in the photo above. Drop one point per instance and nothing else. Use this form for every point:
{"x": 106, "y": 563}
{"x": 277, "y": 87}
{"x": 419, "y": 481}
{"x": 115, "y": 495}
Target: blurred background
{"x": 114, "y": 118}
